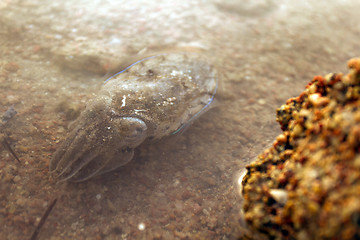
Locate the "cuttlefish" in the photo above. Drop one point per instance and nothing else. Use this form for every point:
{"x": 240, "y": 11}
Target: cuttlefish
{"x": 154, "y": 97}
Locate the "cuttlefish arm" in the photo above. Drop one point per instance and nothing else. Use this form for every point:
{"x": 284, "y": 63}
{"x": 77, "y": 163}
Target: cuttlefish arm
{"x": 101, "y": 142}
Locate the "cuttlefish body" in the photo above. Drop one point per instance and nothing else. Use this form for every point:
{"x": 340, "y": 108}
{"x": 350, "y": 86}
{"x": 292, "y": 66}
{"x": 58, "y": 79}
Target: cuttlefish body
{"x": 154, "y": 97}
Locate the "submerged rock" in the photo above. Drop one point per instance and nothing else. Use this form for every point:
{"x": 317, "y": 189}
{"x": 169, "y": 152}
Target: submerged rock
{"x": 307, "y": 185}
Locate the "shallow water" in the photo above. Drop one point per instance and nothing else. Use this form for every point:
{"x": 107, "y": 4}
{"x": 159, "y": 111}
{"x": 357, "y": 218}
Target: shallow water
{"x": 54, "y": 58}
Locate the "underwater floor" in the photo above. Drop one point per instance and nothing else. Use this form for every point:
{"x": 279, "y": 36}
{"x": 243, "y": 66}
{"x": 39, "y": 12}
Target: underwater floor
{"x": 54, "y": 59}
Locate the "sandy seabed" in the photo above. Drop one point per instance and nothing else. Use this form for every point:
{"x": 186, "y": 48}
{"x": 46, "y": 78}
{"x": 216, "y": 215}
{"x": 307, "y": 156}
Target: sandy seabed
{"x": 54, "y": 58}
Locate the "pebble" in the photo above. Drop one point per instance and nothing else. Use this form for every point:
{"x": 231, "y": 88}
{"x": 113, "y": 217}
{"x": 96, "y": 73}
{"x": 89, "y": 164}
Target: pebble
{"x": 262, "y": 101}
{"x": 186, "y": 195}
{"x": 11, "y": 67}
{"x": 280, "y": 195}
{"x": 210, "y": 181}
{"x": 17, "y": 179}
{"x": 197, "y": 209}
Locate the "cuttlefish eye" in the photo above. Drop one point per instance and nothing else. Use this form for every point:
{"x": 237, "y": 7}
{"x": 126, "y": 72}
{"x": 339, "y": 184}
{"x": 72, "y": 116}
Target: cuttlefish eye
{"x": 131, "y": 129}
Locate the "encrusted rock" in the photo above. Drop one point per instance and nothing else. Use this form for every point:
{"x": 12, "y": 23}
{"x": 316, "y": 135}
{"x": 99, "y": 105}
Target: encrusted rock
{"x": 307, "y": 185}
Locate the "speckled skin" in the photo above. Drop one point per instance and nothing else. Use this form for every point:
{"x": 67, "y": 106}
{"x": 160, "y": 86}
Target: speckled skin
{"x": 152, "y": 98}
